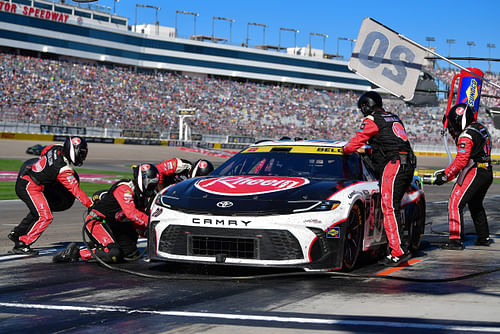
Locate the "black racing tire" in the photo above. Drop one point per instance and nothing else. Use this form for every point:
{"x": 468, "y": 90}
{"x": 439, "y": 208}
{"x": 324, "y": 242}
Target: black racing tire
{"x": 416, "y": 226}
{"x": 353, "y": 238}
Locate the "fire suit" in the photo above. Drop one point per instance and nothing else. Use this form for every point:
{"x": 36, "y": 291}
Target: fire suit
{"x": 171, "y": 171}
{"x": 472, "y": 167}
{"x": 394, "y": 164}
{"x": 52, "y": 167}
{"x": 114, "y": 224}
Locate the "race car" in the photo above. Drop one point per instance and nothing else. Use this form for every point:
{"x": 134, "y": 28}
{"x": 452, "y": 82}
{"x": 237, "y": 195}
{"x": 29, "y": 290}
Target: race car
{"x": 285, "y": 203}
{"x": 35, "y": 149}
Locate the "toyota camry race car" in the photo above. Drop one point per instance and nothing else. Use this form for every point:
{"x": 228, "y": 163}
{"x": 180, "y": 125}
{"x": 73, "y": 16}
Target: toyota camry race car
{"x": 301, "y": 204}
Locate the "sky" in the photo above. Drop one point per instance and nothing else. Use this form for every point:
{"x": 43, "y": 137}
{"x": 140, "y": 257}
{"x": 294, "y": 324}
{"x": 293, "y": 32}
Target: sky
{"x": 419, "y": 20}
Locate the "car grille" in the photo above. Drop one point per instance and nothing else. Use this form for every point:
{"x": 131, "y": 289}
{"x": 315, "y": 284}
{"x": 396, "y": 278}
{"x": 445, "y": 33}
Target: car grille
{"x": 242, "y": 248}
{"x": 231, "y": 243}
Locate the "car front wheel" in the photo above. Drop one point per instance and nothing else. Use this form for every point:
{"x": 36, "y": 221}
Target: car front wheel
{"x": 353, "y": 238}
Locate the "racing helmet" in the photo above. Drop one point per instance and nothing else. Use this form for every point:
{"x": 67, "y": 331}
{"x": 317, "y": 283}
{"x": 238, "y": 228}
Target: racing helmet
{"x": 368, "y": 102}
{"x": 459, "y": 117}
{"x": 201, "y": 168}
{"x": 146, "y": 178}
{"x": 75, "y": 149}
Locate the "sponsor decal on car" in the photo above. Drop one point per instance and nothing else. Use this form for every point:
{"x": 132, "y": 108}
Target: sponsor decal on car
{"x": 220, "y": 222}
{"x": 333, "y": 232}
{"x": 224, "y": 204}
{"x": 297, "y": 149}
{"x": 249, "y": 185}
{"x": 157, "y": 212}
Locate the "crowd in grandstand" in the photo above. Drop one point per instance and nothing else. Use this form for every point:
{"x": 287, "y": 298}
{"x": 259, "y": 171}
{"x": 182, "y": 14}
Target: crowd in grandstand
{"x": 63, "y": 92}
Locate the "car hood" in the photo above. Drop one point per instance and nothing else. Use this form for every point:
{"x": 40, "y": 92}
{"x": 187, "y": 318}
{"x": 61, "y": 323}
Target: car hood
{"x": 250, "y": 195}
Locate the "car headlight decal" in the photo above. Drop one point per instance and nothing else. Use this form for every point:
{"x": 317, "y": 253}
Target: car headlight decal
{"x": 325, "y": 205}
{"x": 160, "y": 200}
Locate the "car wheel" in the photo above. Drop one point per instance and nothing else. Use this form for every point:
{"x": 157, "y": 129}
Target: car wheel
{"x": 416, "y": 226}
{"x": 353, "y": 238}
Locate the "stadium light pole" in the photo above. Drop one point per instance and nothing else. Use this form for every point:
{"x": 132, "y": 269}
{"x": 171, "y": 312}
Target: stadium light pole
{"x": 429, "y": 40}
{"x": 187, "y": 13}
{"x": 156, "y": 15}
{"x": 450, "y": 41}
{"x": 317, "y": 34}
{"x": 470, "y": 44}
{"x": 259, "y": 25}
{"x": 102, "y": 8}
{"x": 114, "y": 6}
{"x": 344, "y": 39}
{"x": 295, "y": 31}
{"x": 222, "y": 19}
{"x": 490, "y": 46}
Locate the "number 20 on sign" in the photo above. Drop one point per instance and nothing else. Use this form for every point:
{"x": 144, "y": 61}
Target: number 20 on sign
{"x": 387, "y": 60}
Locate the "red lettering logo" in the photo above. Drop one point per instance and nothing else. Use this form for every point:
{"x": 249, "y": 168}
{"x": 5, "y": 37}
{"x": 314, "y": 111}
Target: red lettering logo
{"x": 40, "y": 164}
{"x": 399, "y": 131}
{"x": 76, "y": 141}
{"x": 460, "y": 111}
{"x": 249, "y": 185}
{"x": 144, "y": 167}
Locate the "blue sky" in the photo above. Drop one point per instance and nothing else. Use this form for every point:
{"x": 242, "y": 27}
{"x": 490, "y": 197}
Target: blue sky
{"x": 463, "y": 21}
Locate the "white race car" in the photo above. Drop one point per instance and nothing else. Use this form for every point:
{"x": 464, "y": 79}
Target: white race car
{"x": 301, "y": 204}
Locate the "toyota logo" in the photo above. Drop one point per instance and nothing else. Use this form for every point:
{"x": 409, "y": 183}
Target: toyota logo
{"x": 225, "y": 204}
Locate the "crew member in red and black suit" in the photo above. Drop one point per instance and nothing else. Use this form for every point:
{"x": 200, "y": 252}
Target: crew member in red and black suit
{"x": 117, "y": 220}
{"x": 173, "y": 171}
{"x": 394, "y": 163}
{"x": 474, "y": 173}
{"x": 176, "y": 170}
{"x": 53, "y": 166}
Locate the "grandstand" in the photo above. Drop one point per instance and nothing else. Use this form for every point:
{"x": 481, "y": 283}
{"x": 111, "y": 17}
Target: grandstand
{"x": 105, "y": 86}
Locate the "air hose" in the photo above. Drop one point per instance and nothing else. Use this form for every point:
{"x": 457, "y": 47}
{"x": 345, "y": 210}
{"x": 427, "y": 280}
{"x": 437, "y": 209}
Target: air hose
{"x": 279, "y": 275}
{"x": 273, "y": 276}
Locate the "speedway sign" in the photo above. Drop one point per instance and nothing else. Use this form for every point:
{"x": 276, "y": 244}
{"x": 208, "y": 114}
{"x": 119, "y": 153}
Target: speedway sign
{"x": 387, "y": 59}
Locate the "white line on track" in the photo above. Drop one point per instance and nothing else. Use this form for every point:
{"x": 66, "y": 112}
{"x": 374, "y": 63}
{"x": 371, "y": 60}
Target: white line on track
{"x": 222, "y": 316}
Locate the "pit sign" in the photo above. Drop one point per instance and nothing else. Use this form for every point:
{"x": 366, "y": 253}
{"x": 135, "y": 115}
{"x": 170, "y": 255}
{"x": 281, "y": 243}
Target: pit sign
{"x": 387, "y": 60}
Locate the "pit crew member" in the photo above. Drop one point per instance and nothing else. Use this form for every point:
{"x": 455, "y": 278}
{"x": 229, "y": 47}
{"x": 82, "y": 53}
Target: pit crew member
{"x": 117, "y": 220}
{"x": 474, "y": 173}
{"x": 176, "y": 170}
{"x": 52, "y": 167}
{"x": 394, "y": 163}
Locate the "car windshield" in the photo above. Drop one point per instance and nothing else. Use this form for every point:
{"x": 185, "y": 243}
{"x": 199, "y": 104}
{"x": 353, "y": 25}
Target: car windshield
{"x": 311, "y": 165}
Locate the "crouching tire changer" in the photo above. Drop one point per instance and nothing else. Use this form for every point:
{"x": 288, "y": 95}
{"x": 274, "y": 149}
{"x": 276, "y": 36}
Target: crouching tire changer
{"x": 116, "y": 221}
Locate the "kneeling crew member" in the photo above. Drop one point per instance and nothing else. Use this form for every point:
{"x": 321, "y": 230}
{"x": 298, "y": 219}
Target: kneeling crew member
{"x": 116, "y": 221}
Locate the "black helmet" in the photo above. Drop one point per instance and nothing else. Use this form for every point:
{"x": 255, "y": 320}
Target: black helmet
{"x": 201, "y": 168}
{"x": 75, "y": 149}
{"x": 368, "y": 102}
{"x": 459, "y": 116}
{"x": 146, "y": 178}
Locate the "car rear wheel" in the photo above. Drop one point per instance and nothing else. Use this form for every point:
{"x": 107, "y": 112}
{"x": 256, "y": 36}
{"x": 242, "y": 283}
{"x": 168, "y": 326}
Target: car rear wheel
{"x": 353, "y": 238}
